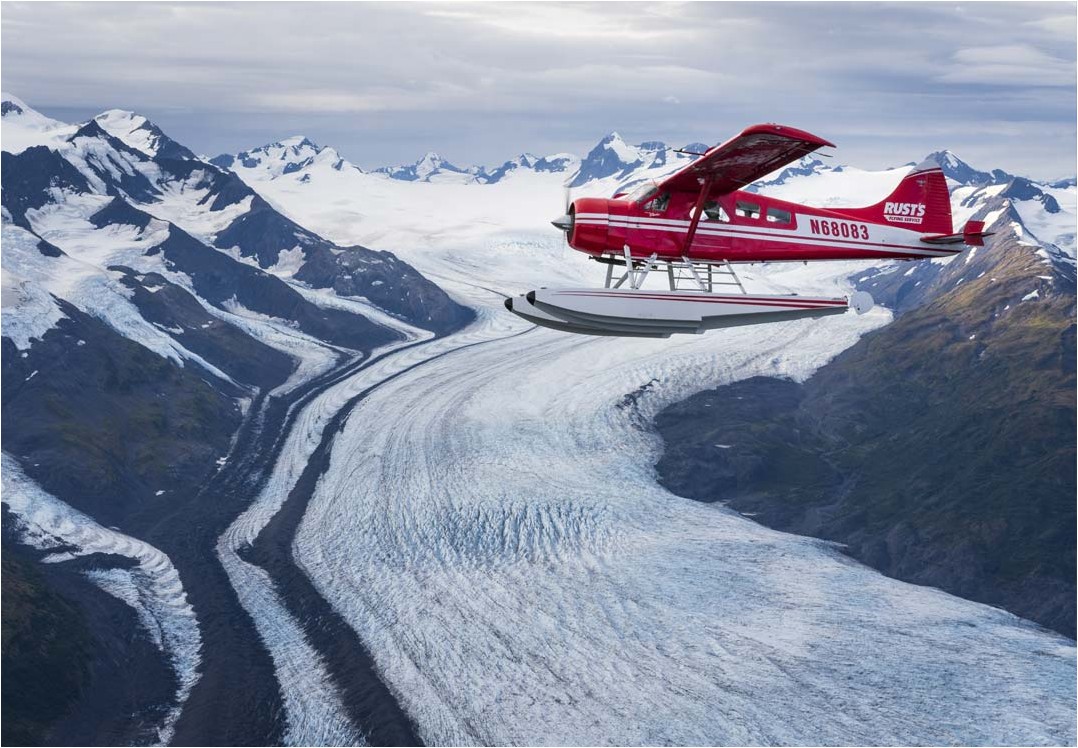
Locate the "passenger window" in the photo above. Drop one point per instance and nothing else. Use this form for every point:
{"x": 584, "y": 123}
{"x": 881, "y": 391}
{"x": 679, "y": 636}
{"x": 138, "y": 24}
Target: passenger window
{"x": 777, "y": 215}
{"x": 659, "y": 204}
{"x": 714, "y": 212}
{"x": 747, "y": 210}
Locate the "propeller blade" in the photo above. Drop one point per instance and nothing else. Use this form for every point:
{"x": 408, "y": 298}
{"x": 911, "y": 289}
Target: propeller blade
{"x": 564, "y": 223}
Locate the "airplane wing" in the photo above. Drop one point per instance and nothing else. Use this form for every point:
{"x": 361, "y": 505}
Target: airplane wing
{"x": 743, "y": 159}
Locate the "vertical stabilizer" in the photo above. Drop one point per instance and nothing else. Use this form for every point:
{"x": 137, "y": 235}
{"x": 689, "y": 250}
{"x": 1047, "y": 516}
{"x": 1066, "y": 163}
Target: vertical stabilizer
{"x": 920, "y": 202}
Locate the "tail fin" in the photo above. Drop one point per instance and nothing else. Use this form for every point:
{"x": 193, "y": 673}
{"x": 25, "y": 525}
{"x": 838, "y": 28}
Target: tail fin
{"x": 920, "y": 202}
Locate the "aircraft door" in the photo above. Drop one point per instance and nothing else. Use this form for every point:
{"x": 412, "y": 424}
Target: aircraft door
{"x": 652, "y": 232}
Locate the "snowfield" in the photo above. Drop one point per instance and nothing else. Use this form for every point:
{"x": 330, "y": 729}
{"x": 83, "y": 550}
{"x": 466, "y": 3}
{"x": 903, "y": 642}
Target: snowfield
{"x": 501, "y": 544}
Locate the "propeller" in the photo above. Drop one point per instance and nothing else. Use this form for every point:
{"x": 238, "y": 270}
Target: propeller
{"x": 565, "y": 222}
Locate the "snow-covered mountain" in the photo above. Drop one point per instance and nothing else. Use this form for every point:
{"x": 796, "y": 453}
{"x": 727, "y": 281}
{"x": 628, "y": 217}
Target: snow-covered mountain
{"x": 287, "y": 156}
{"x": 24, "y": 127}
{"x": 141, "y": 134}
{"x": 391, "y": 530}
{"x": 558, "y": 163}
{"x": 611, "y": 159}
{"x": 154, "y": 307}
{"x": 431, "y": 167}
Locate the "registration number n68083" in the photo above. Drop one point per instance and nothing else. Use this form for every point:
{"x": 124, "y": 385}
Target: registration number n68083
{"x": 843, "y": 229}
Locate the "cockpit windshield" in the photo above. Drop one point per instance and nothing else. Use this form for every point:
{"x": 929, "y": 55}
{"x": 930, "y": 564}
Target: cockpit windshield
{"x": 643, "y": 193}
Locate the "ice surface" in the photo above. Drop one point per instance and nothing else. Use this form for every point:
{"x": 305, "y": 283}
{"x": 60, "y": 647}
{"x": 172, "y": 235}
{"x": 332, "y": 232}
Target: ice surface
{"x": 505, "y": 552}
{"x": 81, "y": 277}
{"x": 152, "y": 588}
{"x": 181, "y": 202}
{"x": 29, "y": 310}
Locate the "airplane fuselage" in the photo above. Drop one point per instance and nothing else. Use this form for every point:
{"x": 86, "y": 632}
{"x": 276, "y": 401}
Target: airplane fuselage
{"x": 746, "y": 227}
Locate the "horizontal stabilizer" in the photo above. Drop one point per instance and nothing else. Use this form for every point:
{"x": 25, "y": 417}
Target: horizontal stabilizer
{"x": 973, "y": 234}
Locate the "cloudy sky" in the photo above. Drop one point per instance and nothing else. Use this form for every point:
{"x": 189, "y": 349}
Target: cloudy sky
{"x": 479, "y": 83}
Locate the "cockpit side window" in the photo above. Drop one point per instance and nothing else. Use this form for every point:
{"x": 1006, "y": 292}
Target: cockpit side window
{"x": 659, "y": 203}
{"x": 643, "y": 193}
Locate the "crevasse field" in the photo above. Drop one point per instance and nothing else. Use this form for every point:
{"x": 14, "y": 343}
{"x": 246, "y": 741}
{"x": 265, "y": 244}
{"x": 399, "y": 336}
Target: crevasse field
{"x": 491, "y": 527}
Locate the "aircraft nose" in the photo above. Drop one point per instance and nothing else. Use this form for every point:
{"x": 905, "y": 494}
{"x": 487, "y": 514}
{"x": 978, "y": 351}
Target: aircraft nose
{"x": 564, "y": 222}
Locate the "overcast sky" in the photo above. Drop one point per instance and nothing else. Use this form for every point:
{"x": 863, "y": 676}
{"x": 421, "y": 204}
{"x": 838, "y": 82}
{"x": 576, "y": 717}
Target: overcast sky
{"x": 479, "y": 83}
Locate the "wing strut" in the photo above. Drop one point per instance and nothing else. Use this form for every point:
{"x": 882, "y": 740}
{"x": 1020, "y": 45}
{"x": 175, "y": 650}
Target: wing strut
{"x": 697, "y": 212}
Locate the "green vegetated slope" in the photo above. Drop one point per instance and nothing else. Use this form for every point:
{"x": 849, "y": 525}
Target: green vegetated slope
{"x": 46, "y": 648}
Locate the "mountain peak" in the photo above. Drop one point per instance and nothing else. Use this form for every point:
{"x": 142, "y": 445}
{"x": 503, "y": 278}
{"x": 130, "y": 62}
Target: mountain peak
{"x": 91, "y": 129}
{"x": 290, "y": 155}
{"x": 430, "y": 165}
{"x": 611, "y": 156}
{"x": 13, "y": 108}
{"x": 136, "y": 131}
{"x": 956, "y": 169}
{"x": 25, "y": 127}
{"x": 298, "y": 141}
{"x": 11, "y": 105}
{"x": 111, "y": 115}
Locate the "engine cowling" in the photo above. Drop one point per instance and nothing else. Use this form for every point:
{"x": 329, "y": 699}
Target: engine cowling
{"x": 590, "y": 227}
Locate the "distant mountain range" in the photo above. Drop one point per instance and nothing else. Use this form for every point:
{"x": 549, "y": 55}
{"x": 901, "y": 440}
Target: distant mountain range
{"x": 611, "y": 157}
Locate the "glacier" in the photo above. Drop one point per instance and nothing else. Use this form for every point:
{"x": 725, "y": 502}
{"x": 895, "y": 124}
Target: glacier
{"x": 505, "y": 551}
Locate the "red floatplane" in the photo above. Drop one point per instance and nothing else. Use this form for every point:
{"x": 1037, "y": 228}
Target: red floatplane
{"x": 690, "y": 229}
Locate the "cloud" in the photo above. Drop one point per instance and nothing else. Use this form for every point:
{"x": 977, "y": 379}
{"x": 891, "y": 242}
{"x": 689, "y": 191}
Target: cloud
{"x": 577, "y": 21}
{"x": 479, "y": 82}
{"x": 1014, "y": 65}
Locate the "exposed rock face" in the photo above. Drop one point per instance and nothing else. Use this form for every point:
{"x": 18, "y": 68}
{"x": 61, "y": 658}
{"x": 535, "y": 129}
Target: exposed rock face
{"x": 263, "y": 234}
{"x": 106, "y": 423}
